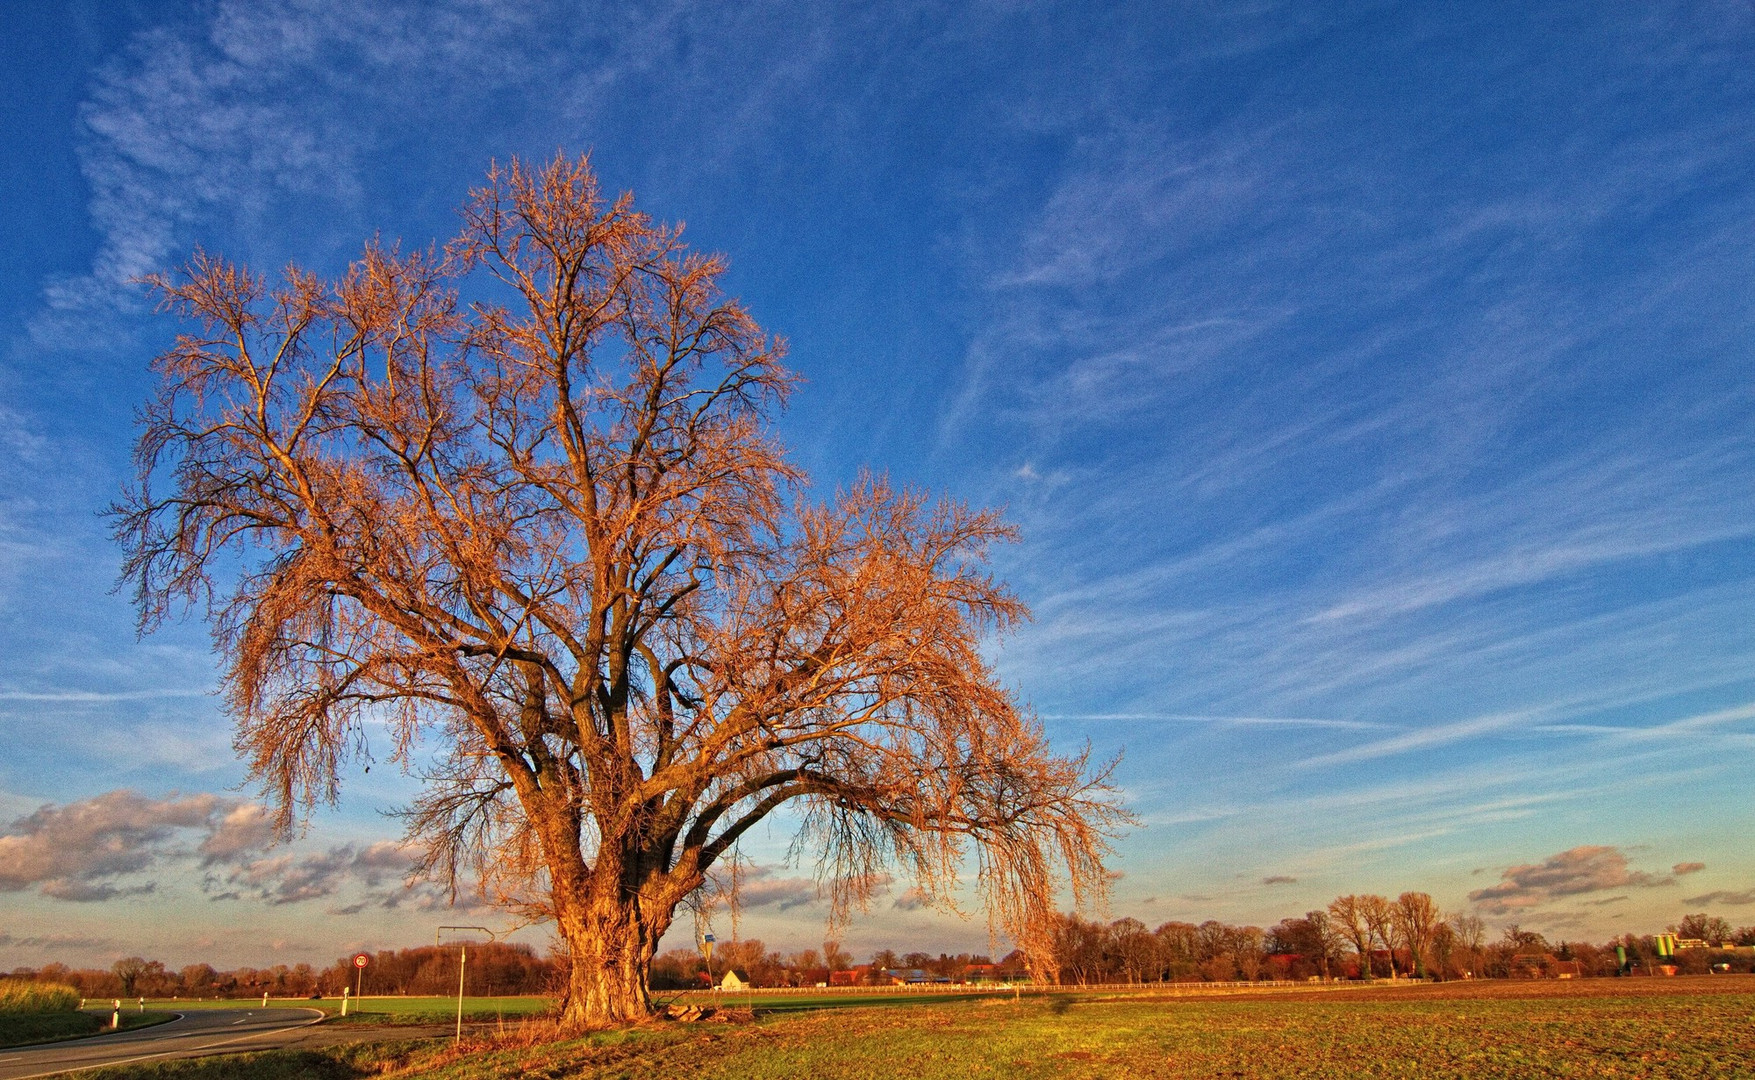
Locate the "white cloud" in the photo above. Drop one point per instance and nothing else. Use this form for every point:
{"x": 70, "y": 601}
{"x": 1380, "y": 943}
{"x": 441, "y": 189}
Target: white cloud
{"x": 294, "y": 878}
{"x": 912, "y": 900}
{"x": 1722, "y": 896}
{"x": 1574, "y": 872}
{"x": 99, "y": 848}
{"x": 765, "y": 886}
{"x": 243, "y": 830}
{"x": 123, "y": 844}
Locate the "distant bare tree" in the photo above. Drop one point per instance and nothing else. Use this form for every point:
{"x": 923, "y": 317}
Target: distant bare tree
{"x": 558, "y": 541}
{"x": 1708, "y": 928}
{"x": 1134, "y": 947}
{"x": 1443, "y": 948}
{"x": 1349, "y": 918}
{"x": 1078, "y": 950}
{"x": 1325, "y": 938}
{"x": 129, "y": 971}
{"x": 1248, "y": 946}
{"x": 1178, "y": 949}
{"x": 1471, "y": 936}
{"x": 1415, "y": 918}
{"x": 1311, "y": 939}
{"x": 1212, "y": 942}
{"x": 1379, "y": 916}
{"x": 834, "y": 957}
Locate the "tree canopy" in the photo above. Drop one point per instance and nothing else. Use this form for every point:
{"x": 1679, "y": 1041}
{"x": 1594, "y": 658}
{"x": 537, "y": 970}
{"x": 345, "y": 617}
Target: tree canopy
{"x": 551, "y": 533}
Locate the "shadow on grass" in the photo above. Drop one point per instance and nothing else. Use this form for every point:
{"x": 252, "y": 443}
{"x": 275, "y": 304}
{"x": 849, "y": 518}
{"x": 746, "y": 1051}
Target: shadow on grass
{"x": 350, "y": 1062}
{"x": 26, "y": 1029}
{"x": 22, "y": 1029}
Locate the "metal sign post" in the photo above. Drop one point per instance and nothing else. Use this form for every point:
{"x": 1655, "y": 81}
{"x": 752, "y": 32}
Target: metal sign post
{"x": 360, "y": 961}
{"x": 462, "y": 960}
{"x": 707, "y": 952}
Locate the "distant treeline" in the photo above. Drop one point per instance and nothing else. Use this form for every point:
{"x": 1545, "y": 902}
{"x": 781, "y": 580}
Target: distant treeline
{"x": 1354, "y": 937}
{"x": 1371, "y": 936}
{"x": 494, "y": 969}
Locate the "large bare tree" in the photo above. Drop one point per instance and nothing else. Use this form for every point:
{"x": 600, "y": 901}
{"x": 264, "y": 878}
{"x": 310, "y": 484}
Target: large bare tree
{"x": 549, "y": 541}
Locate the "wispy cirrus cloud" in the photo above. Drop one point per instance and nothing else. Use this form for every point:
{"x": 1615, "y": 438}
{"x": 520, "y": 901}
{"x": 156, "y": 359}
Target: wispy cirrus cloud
{"x": 1225, "y": 721}
{"x": 98, "y": 697}
{"x": 1302, "y": 442}
{"x": 262, "y": 110}
{"x": 256, "y": 114}
{"x": 1326, "y": 451}
{"x": 1421, "y": 739}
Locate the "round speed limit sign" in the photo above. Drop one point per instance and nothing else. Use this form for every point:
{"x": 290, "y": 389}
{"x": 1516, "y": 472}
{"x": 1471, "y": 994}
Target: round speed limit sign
{"x": 361, "y": 960}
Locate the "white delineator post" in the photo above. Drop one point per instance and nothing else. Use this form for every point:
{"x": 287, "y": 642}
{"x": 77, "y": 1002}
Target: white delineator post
{"x": 344, "y": 992}
{"x": 265, "y": 999}
{"x": 115, "y": 1013}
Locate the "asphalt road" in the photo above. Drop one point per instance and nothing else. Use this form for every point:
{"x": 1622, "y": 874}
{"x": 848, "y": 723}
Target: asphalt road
{"x": 194, "y": 1034}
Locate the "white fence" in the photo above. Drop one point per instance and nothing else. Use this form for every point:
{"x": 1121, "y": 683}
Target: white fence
{"x": 1021, "y": 987}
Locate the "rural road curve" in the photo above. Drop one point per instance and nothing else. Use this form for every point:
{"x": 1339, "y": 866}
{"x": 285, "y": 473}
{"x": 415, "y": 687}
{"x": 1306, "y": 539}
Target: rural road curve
{"x": 195, "y": 1033}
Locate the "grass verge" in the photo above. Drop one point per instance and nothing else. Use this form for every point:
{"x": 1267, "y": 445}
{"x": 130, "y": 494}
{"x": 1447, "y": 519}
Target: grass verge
{"x": 22, "y": 1029}
{"x": 30, "y": 996}
{"x": 25, "y": 1029}
{"x": 330, "y": 1063}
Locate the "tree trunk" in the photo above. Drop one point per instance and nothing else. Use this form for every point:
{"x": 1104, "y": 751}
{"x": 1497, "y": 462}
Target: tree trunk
{"x": 610, "y": 946}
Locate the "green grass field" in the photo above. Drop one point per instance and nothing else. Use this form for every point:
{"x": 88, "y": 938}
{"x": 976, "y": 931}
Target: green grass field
{"x": 423, "y": 1010}
{"x": 399, "y": 1010}
{"x": 770, "y": 1003}
{"x": 1642, "y": 1028}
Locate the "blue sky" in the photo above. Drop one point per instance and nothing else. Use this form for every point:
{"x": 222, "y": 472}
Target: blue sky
{"x": 1371, "y": 384}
